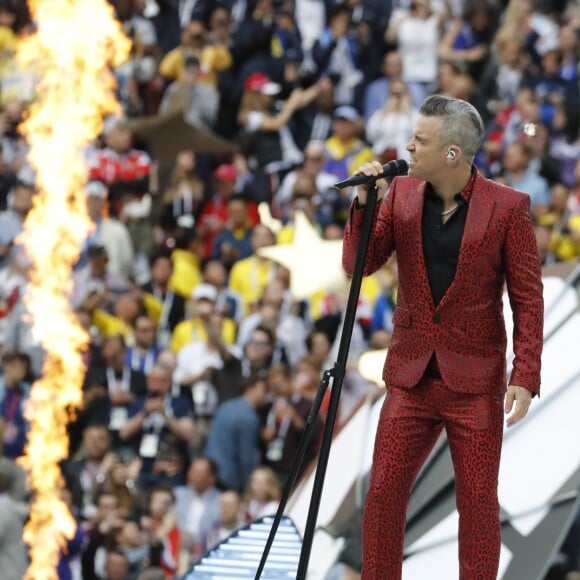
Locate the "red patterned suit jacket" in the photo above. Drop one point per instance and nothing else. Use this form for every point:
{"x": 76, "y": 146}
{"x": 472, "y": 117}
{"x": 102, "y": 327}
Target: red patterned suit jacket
{"x": 466, "y": 330}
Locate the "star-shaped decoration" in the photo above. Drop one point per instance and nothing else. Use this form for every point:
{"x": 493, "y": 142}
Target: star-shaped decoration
{"x": 268, "y": 220}
{"x": 314, "y": 263}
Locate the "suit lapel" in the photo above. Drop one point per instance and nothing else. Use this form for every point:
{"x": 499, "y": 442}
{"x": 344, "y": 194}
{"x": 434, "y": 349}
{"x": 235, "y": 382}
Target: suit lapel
{"x": 478, "y": 214}
{"x": 414, "y": 202}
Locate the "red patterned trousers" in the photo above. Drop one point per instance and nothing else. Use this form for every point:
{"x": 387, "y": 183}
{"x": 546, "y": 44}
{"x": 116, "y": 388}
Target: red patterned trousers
{"x": 410, "y": 423}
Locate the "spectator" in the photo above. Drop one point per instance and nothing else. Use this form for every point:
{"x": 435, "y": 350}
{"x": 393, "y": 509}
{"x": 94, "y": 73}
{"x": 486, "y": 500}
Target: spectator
{"x": 233, "y": 243}
{"x": 336, "y": 55}
{"x": 143, "y": 355}
{"x": 214, "y": 214}
{"x": 131, "y": 542}
{"x": 285, "y": 424}
{"x": 258, "y": 354}
{"x": 111, "y": 389}
{"x": 204, "y": 298}
{"x": 390, "y": 128}
{"x": 109, "y": 232}
{"x": 377, "y": 91}
{"x": 233, "y": 438}
{"x": 249, "y": 276}
{"x": 229, "y": 303}
{"x": 212, "y": 58}
{"x": 267, "y": 140}
{"x": 262, "y": 495}
{"x": 416, "y": 32}
{"x": 195, "y": 363}
{"x": 107, "y": 519}
{"x": 186, "y": 256}
{"x": 165, "y": 308}
{"x": 466, "y": 41}
{"x": 164, "y": 535}
{"x": 14, "y": 391}
{"x": 95, "y": 277}
{"x": 161, "y": 427}
{"x": 344, "y": 149}
{"x": 116, "y": 565}
{"x": 184, "y": 193}
{"x": 12, "y": 220}
{"x": 230, "y": 520}
{"x": 312, "y": 167}
{"x": 13, "y": 514}
{"x": 276, "y": 314}
{"x": 90, "y": 473}
{"x": 519, "y": 174}
{"x": 198, "y": 505}
{"x": 126, "y": 173}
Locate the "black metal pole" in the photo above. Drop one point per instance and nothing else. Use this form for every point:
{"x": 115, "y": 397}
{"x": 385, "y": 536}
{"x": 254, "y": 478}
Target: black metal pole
{"x": 298, "y": 459}
{"x": 338, "y": 374}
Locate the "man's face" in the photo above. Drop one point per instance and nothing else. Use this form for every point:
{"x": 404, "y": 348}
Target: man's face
{"x": 161, "y": 270}
{"x": 427, "y": 153}
{"x": 116, "y": 566}
{"x": 144, "y": 332}
{"x": 258, "y": 347}
{"x": 261, "y": 237}
{"x": 158, "y": 381}
{"x": 280, "y": 386}
{"x": 160, "y": 504}
{"x": 106, "y": 506}
{"x": 393, "y": 65}
{"x": 199, "y": 476}
{"x": 96, "y": 440}
{"x": 22, "y": 199}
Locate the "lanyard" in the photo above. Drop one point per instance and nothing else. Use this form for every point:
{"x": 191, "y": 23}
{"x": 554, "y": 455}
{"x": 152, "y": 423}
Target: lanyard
{"x": 167, "y": 302}
{"x": 285, "y": 423}
{"x": 112, "y": 380}
{"x": 136, "y": 360}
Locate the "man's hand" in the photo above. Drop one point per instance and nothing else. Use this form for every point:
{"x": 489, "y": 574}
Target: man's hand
{"x": 522, "y": 398}
{"x": 371, "y": 169}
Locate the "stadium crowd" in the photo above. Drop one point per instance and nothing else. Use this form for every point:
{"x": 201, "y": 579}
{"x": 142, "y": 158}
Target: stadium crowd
{"x": 202, "y": 365}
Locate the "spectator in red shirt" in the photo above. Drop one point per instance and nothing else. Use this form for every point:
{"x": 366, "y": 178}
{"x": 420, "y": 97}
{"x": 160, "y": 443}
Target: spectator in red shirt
{"x": 214, "y": 216}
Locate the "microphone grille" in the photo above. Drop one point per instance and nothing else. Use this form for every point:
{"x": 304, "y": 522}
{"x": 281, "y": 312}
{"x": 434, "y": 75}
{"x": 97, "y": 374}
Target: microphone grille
{"x": 401, "y": 167}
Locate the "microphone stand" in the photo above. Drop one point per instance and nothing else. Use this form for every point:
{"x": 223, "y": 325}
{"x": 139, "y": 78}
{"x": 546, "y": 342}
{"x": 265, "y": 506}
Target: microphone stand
{"x": 337, "y": 373}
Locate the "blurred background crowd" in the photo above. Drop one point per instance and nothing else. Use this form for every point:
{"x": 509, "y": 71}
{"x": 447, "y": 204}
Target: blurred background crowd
{"x": 202, "y": 365}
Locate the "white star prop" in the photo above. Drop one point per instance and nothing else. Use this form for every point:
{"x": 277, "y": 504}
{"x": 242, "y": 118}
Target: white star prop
{"x": 267, "y": 219}
{"x": 314, "y": 263}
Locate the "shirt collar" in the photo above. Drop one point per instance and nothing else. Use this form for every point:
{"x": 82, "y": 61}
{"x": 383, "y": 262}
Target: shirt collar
{"x": 464, "y": 195}
{"x": 466, "y": 192}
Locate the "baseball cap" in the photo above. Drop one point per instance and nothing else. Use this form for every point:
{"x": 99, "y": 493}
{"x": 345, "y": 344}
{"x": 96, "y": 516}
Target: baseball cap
{"x": 262, "y": 83}
{"x": 347, "y": 113}
{"x": 96, "y": 189}
{"x": 226, "y": 172}
{"x": 204, "y": 292}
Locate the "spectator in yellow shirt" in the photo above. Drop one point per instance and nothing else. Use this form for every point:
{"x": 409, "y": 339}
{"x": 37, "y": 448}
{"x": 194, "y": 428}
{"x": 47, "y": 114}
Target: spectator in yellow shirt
{"x": 249, "y": 276}
{"x": 212, "y": 58}
{"x": 204, "y": 298}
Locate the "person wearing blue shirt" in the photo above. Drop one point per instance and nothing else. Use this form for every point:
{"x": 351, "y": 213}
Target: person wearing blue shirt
{"x": 233, "y": 439}
{"x": 161, "y": 427}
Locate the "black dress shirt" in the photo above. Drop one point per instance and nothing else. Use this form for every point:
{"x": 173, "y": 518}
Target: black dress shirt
{"x": 441, "y": 241}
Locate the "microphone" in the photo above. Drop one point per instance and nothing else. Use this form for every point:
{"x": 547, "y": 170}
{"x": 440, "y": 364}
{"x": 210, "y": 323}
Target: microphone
{"x": 390, "y": 169}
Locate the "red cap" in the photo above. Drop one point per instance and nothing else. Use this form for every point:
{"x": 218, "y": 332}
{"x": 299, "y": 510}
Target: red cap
{"x": 262, "y": 83}
{"x": 226, "y": 172}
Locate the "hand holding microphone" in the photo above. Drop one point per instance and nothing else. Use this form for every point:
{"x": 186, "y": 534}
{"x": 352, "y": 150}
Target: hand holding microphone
{"x": 374, "y": 173}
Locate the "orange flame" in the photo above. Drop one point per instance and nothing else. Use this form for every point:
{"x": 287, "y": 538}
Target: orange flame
{"x": 75, "y": 42}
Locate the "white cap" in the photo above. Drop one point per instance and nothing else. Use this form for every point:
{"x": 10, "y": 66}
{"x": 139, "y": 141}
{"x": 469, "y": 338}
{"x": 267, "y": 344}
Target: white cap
{"x": 204, "y": 292}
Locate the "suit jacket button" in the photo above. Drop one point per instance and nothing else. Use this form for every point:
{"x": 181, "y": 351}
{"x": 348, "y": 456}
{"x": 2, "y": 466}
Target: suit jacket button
{"x": 436, "y": 318}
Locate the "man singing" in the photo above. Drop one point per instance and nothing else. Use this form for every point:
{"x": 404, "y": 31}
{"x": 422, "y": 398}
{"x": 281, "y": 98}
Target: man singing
{"x": 459, "y": 237}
